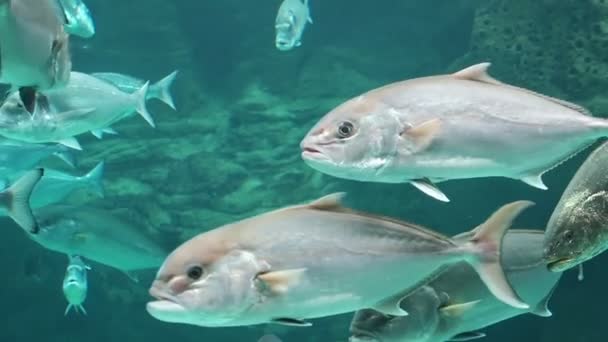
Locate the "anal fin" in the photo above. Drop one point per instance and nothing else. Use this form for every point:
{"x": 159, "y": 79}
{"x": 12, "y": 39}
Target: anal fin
{"x": 426, "y": 186}
{"x": 535, "y": 181}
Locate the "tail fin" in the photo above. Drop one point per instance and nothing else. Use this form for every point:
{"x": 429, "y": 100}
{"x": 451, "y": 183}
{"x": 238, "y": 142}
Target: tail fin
{"x": 66, "y": 155}
{"x": 140, "y": 97}
{"x": 16, "y": 200}
{"x": 486, "y": 244}
{"x": 95, "y": 177}
{"x": 162, "y": 89}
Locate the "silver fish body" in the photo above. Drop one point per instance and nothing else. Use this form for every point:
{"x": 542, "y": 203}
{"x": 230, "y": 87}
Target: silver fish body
{"x": 438, "y": 128}
{"x": 34, "y": 48}
{"x": 160, "y": 90}
{"x": 17, "y": 156}
{"x": 578, "y": 228}
{"x": 311, "y": 261}
{"x": 78, "y": 19}
{"x": 291, "y": 20}
{"x": 98, "y": 236}
{"x": 75, "y": 284}
{"x": 457, "y": 302}
{"x": 84, "y": 104}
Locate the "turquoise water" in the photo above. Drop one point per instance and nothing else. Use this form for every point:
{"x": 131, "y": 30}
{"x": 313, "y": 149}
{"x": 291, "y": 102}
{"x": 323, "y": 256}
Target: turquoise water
{"x": 231, "y": 150}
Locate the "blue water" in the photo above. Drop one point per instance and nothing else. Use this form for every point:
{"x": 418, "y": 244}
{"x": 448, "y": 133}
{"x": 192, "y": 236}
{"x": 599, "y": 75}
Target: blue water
{"x": 231, "y": 149}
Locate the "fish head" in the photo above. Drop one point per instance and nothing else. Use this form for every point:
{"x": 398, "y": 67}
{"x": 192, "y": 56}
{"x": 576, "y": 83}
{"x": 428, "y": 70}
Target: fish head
{"x": 78, "y": 19}
{"x": 353, "y": 141}
{"x": 13, "y": 110}
{"x": 205, "y": 287}
{"x": 579, "y": 233}
{"x": 287, "y": 34}
{"x": 75, "y": 283}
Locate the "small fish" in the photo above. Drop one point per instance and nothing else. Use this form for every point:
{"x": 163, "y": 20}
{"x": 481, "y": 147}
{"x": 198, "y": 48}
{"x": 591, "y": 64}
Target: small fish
{"x": 438, "y": 128}
{"x": 269, "y": 338}
{"x": 98, "y": 236}
{"x": 34, "y": 48}
{"x": 55, "y": 186}
{"x": 160, "y": 90}
{"x": 75, "y": 284}
{"x": 316, "y": 260}
{"x": 290, "y": 23}
{"x": 18, "y": 156}
{"x": 78, "y": 19}
{"x": 85, "y": 104}
{"x": 457, "y": 304}
{"x": 14, "y": 200}
{"x": 578, "y": 228}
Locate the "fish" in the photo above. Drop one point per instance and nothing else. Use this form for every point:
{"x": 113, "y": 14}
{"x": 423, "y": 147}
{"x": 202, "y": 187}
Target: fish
{"x": 98, "y": 236}
{"x": 14, "y": 200}
{"x": 84, "y": 104}
{"x": 456, "y": 305}
{"x": 78, "y": 19}
{"x": 34, "y": 47}
{"x": 458, "y": 126}
{"x": 160, "y": 90}
{"x": 17, "y": 156}
{"x": 315, "y": 260}
{"x": 55, "y": 185}
{"x": 577, "y": 230}
{"x": 291, "y": 20}
{"x": 75, "y": 284}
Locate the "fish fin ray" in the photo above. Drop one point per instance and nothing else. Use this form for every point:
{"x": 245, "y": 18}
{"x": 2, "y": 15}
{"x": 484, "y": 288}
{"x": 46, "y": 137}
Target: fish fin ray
{"x": 279, "y": 282}
{"x": 535, "y": 181}
{"x": 71, "y": 142}
{"x": 467, "y": 336}
{"x": 425, "y": 185}
{"x": 291, "y": 322}
{"x": 17, "y": 198}
{"x": 486, "y": 245}
{"x": 423, "y": 134}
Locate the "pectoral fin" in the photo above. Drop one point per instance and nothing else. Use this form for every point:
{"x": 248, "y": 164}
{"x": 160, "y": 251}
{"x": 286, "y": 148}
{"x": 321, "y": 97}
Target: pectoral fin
{"x": 291, "y": 322}
{"x": 71, "y": 143}
{"x": 422, "y": 134}
{"x": 542, "y": 308}
{"x": 535, "y": 181}
{"x": 426, "y": 186}
{"x": 457, "y": 310}
{"x": 279, "y": 282}
{"x": 467, "y": 336}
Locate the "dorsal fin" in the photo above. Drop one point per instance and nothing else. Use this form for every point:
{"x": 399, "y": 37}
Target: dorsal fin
{"x": 479, "y": 72}
{"x": 329, "y": 202}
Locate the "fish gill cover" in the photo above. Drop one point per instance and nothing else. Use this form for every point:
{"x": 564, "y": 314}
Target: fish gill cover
{"x": 231, "y": 150}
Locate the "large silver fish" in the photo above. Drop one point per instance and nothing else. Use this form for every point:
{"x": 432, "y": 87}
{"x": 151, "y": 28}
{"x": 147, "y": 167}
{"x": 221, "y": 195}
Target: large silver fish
{"x": 315, "y": 260}
{"x": 437, "y": 128}
{"x": 160, "y": 90}
{"x": 78, "y": 19}
{"x": 456, "y": 304}
{"x": 18, "y": 156}
{"x": 85, "y": 104}
{"x": 75, "y": 284}
{"x": 290, "y": 23}
{"x": 34, "y": 47}
{"x": 578, "y": 228}
{"x": 98, "y": 236}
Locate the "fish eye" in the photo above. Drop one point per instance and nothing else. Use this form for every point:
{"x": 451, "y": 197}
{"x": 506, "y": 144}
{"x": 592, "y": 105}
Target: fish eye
{"x": 568, "y": 235}
{"x": 345, "y": 129}
{"x": 195, "y": 272}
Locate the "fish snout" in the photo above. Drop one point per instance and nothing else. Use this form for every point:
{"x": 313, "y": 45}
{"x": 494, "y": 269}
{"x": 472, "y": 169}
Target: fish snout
{"x": 283, "y": 44}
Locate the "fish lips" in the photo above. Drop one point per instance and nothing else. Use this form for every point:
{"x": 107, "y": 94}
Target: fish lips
{"x": 312, "y": 153}
{"x": 562, "y": 264}
{"x": 165, "y": 308}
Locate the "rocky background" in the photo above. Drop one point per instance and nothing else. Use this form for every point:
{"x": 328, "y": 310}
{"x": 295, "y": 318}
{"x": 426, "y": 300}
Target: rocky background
{"x": 231, "y": 149}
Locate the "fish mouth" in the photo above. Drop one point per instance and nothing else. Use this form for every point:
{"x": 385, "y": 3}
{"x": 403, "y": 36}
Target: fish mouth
{"x": 561, "y": 264}
{"x": 283, "y": 45}
{"x": 311, "y": 153}
{"x": 166, "y": 306}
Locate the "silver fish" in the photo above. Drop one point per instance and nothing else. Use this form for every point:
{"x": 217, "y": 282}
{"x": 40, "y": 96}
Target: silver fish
{"x": 438, "y": 128}
{"x": 290, "y": 23}
{"x": 55, "y": 186}
{"x": 315, "y": 260}
{"x": 34, "y": 48}
{"x": 14, "y": 200}
{"x": 578, "y": 228}
{"x": 17, "y": 156}
{"x": 85, "y": 104}
{"x": 75, "y": 284}
{"x": 78, "y": 19}
{"x": 98, "y": 236}
{"x": 456, "y": 305}
{"x": 160, "y": 90}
